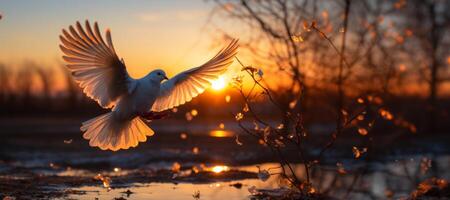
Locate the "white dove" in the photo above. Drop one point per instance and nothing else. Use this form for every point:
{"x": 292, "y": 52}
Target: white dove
{"x": 97, "y": 69}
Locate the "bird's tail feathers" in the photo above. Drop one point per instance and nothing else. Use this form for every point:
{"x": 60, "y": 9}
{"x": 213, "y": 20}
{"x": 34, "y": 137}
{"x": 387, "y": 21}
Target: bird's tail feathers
{"x": 108, "y": 132}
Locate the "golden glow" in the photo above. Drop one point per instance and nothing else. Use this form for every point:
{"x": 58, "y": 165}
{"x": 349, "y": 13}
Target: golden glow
{"x": 219, "y": 168}
{"x": 221, "y": 133}
{"x": 219, "y": 83}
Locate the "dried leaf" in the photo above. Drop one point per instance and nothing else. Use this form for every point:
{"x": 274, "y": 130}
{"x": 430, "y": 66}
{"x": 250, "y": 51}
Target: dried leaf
{"x": 246, "y": 108}
{"x": 221, "y": 125}
{"x": 362, "y": 131}
{"x": 297, "y": 38}
{"x": 280, "y": 126}
{"x": 189, "y": 116}
{"x": 412, "y": 128}
{"x": 292, "y": 104}
{"x": 237, "y": 81}
{"x": 228, "y": 98}
{"x": 360, "y": 117}
{"x": 340, "y": 168}
{"x": 261, "y": 142}
{"x": 256, "y": 128}
{"x": 290, "y": 136}
{"x": 408, "y": 32}
{"x": 195, "y": 169}
{"x": 306, "y": 26}
{"x": 360, "y": 100}
{"x": 253, "y": 190}
{"x": 239, "y": 116}
{"x": 402, "y": 67}
{"x": 358, "y": 152}
{"x": 106, "y": 181}
{"x": 228, "y": 6}
{"x": 399, "y": 4}
{"x": 194, "y": 112}
{"x": 313, "y": 24}
{"x": 279, "y": 143}
{"x": 377, "y": 100}
{"x": 325, "y": 14}
{"x": 176, "y": 167}
{"x": 196, "y": 194}
{"x": 195, "y": 150}
{"x": 53, "y": 166}
{"x": 388, "y": 193}
{"x": 385, "y": 114}
{"x": 237, "y": 141}
{"x": 425, "y": 164}
{"x": 266, "y": 132}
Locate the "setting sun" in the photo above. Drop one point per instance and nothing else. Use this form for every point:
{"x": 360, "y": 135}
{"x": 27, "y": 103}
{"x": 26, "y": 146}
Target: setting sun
{"x": 219, "y": 168}
{"x": 221, "y": 133}
{"x": 218, "y": 84}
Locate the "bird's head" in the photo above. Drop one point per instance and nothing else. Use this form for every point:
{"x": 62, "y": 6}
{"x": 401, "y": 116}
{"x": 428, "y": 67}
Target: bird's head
{"x": 158, "y": 75}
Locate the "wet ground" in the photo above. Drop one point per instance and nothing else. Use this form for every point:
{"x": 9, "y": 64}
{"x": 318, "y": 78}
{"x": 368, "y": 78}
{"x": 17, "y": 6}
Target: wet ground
{"x": 42, "y": 159}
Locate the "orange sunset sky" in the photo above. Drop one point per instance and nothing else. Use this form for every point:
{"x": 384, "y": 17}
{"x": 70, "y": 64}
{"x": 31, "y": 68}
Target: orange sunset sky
{"x": 172, "y": 35}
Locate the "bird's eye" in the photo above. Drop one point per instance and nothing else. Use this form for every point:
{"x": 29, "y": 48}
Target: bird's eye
{"x": 159, "y": 73}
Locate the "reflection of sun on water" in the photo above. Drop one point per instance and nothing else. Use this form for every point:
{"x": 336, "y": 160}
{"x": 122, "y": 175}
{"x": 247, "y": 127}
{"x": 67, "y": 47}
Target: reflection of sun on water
{"x": 218, "y": 84}
{"x": 221, "y": 133}
{"x": 219, "y": 168}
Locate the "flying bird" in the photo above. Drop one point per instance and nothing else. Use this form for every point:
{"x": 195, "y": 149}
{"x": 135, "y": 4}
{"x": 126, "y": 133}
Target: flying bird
{"x": 97, "y": 69}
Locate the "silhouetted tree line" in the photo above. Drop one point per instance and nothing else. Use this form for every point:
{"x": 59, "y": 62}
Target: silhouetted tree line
{"x": 327, "y": 53}
{"x": 32, "y": 89}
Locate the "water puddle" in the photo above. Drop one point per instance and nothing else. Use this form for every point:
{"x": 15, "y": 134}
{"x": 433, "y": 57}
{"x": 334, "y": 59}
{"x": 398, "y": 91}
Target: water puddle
{"x": 379, "y": 181}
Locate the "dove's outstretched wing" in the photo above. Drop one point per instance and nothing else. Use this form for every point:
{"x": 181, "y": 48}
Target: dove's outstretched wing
{"x": 94, "y": 64}
{"x": 190, "y": 83}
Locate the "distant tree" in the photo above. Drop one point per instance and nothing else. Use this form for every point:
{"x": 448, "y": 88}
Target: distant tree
{"x": 4, "y": 83}
{"x": 24, "y": 82}
{"x": 429, "y": 22}
{"x": 72, "y": 90}
{"x": 46, "y": 76}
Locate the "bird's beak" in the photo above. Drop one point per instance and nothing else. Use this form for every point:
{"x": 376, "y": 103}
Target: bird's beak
{"x": 165, "y": 77}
